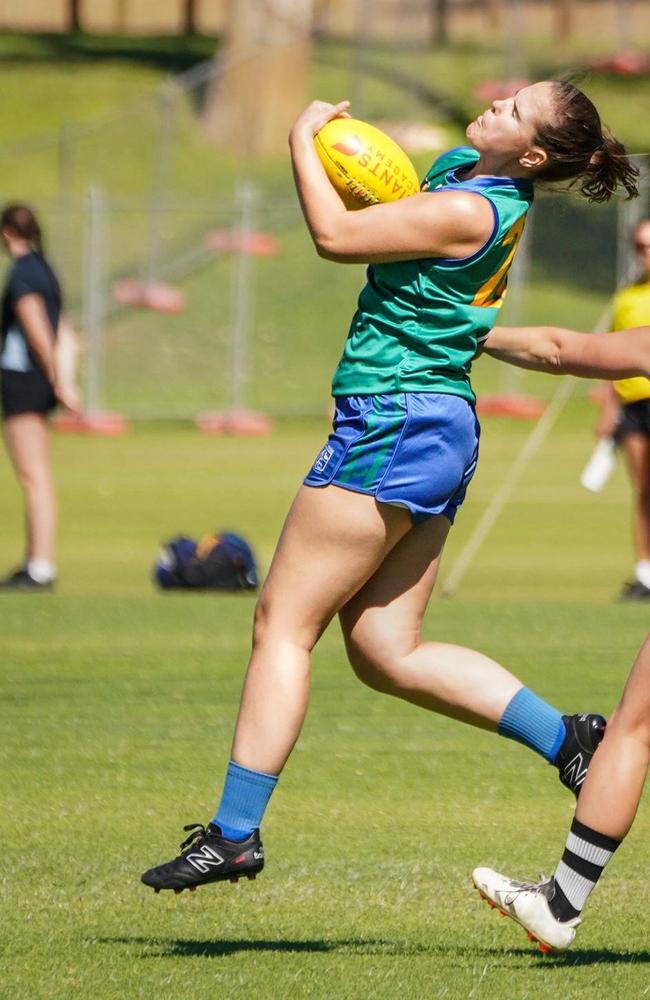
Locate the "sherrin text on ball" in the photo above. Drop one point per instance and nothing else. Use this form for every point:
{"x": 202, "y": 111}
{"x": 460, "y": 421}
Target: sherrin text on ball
{"x": 364, "y": 164}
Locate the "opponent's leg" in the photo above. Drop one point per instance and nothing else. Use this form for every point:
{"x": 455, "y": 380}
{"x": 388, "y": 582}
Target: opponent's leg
{"x": 382, "y": 629}
{"x": 611, "y": 795}
{"x": 351, "y": 535}
{"x": 550, "y": 911}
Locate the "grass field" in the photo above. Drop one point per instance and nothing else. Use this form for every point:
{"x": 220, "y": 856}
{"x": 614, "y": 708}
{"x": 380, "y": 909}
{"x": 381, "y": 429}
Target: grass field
{"x": 118, "y": 704}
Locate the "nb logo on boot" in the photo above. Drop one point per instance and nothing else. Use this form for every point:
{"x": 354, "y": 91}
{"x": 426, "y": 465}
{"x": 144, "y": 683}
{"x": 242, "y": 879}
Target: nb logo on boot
{"x": 204, "y": 859}
{"x": 576, "y": 771}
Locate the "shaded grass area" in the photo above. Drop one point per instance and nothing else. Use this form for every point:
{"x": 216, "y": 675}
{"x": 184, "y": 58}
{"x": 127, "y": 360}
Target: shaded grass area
{"x": 167, "y": 53}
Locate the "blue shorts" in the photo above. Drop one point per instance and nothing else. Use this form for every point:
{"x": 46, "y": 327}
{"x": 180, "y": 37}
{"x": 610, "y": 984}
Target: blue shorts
{"x": 414, "y": 449}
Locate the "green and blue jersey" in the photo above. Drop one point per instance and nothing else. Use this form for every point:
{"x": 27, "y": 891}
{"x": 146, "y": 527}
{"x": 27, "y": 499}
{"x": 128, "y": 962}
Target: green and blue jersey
{"x": 419, "y": 323}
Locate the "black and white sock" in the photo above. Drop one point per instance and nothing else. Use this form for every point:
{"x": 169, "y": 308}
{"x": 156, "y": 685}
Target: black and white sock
{"x": 585, "y": 855}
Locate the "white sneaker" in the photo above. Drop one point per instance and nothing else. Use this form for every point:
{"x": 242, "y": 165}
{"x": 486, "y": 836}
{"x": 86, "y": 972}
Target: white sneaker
{"x": 527, "y": 903}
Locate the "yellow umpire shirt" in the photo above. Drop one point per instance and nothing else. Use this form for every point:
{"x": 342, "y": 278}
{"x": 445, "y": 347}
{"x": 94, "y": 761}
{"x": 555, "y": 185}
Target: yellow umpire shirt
{"x": 632, "y": 308}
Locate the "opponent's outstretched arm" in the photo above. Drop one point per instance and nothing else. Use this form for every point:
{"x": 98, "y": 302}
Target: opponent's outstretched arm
{"x": 553, "y": 349}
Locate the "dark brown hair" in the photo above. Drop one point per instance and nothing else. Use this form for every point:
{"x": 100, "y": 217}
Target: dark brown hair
{"x": 24, "y": 223}
{"x": 581, "y": 150}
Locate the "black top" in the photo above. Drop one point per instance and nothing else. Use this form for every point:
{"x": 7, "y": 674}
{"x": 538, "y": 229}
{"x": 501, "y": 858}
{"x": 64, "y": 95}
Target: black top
{"x": 28, "y": 275}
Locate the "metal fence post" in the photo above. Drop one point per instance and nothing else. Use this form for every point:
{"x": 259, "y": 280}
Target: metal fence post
{"x": 241, "y": 299}
{"x": 515, "y": 33}
{"x": 361, "y": 42}
{"x": 160, "y": 177}
{"x": 628, "y": 217}
{"x": 94, "y": 300}
{"x": 66, "y": 159}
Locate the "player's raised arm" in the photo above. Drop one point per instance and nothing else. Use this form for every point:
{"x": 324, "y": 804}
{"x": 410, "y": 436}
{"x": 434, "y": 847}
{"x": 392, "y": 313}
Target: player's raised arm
{"x": 567, "y": 352}
{"x": 318, "y": 199}
{"x": 450, "y": 223}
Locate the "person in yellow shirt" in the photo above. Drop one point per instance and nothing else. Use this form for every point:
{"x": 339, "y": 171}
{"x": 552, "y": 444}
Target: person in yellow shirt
{"x": 626, "y": 415}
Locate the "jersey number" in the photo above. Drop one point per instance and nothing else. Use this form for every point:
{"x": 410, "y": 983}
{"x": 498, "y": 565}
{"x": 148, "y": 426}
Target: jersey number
{"x": 491, "y": 293}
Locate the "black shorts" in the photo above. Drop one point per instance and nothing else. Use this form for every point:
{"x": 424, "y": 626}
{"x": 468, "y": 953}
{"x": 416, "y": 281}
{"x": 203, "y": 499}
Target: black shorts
{"x": 634, "y": 419}
{"x": 25, "y": 392}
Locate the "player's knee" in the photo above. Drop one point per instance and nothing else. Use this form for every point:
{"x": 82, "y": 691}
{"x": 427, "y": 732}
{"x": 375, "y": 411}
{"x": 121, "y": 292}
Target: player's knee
{"x": 34, "y": 479}
{"x": 630, "y": 721}
{"x": 261, "y": 620}
{"x": 639, "y": 729}
{"x": 374, "y": 666}
{"x": 274, "y": 623}
{"x": 26, "y": 479}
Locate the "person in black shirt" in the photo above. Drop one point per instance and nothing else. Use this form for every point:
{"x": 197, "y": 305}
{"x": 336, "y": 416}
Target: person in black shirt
{"x": 31, "y": 385}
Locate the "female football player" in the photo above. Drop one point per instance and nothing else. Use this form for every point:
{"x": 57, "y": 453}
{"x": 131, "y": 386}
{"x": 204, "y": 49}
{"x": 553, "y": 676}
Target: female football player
{"x": 35, "y": 375}
{"x": 550, "y": 910}
{"x": 375, "y": 509}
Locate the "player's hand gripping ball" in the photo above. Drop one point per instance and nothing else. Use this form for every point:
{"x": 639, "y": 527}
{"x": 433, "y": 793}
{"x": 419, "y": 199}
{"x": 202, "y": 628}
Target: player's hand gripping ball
{"x": 364, "y": 164}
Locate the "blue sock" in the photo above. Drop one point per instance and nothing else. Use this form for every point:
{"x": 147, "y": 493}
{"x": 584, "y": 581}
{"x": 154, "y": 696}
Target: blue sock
{"x": 533, "y": 722}
{"x": 244, "y": 799}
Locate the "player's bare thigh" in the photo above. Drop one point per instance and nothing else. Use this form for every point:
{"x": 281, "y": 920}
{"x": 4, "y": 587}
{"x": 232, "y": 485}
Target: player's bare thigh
{"x": 382, "y": 622}
{"x": 27, "y": 441}
{"x": 333, "y": 540}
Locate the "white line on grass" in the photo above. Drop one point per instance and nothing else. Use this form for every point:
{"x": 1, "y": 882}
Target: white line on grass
{"x": 531, "y": 445}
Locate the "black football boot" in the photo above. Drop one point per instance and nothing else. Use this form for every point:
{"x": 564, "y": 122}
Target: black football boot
{"x": 583, "y": 734}
{"x": 207, "y": 856}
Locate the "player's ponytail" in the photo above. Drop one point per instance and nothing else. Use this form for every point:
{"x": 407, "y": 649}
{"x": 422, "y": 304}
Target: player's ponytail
{"x": 21, "y": 219}
{"x": 581, "y": 151}
{"x": 608, "y": 167}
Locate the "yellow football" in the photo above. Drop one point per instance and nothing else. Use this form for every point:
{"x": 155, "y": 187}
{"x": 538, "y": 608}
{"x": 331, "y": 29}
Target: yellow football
{"x": 364, "y": 164}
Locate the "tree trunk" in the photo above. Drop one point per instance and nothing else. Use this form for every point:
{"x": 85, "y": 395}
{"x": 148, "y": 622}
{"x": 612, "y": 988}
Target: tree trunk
{"x": 494, "y": 16}
{"x": 262, "y": 86}
{"x": 439, "y": 20}
{"x": 120, "y": 16}
{"x": 564, "y": 11}
{"x": 189, "y": 17}
{"x": 74, "y": 15}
